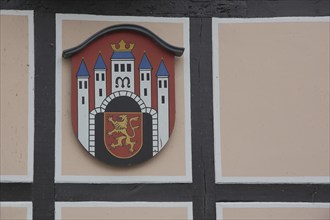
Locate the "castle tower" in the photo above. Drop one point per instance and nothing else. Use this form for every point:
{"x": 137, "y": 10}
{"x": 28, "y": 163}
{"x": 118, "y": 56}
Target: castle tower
{"x": 100, "y": 80}
{"x": 83, "y": 103}
{"x": 163, "y": 104}
{"x": 145, "y": 80}
{"x": 122, "y": 67}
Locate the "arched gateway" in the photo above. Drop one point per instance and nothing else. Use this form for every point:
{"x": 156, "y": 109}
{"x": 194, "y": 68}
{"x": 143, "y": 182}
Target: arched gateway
{"x": 128, "y": 99}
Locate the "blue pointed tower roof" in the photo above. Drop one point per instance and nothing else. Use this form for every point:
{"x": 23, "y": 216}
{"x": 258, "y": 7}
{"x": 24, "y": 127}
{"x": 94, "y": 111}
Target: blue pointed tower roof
{"x": 162, "y": 71}
{"x": 100, "y": 63}
{"x": 145, "y": 63}
{"x": 82, "y": 72}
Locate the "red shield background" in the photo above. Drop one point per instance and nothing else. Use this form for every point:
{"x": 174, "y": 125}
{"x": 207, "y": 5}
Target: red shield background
{"x": 123, "y": 133}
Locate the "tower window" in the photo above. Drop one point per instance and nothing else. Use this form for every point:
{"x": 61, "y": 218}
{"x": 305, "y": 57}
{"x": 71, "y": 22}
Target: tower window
{"x": 122, "y": 67}
{"x": 163, "y": 99}
{"x": 129, "y": 68}
{"x": 145, "y": 92}
{"x": 80, "y": 85}
{"x": 83, "y": 100}
{"x": 160, "y": 84}
{"x": 85, "y": 84}
{"x": 100, "y": 92}
{"x": 165, "y": 83}
{"x": 97, "y": 77}
{"x": 148, "y": 76}
{"x": 142, "y": 76}
{"x": 103, "y": 76}
{"x": 116, "y": 67}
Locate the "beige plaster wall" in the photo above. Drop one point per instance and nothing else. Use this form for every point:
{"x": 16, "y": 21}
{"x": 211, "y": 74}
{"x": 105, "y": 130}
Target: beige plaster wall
{"x": 14, "y": 95}
{"x": 117, "y": 213}
{"x": 171, "y": 160}
{"x": 12, "y": 213}
{"x": 276, "y": 213}
{"x": 274, "y": 99}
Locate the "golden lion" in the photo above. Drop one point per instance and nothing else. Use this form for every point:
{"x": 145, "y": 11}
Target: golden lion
{"x": 121, "y": 127}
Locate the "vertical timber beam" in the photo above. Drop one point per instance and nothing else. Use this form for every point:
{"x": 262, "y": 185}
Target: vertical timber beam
{"x": 44, "y": 147}
{"x": 202, "y": 118}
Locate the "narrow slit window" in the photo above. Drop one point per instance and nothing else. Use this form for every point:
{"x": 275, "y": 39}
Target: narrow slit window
{"x": 163, "y": 99}
{"x": 100, "y": 92}
{"x": 145, "y": 92}
{"x": 142, "y": 76}
{"x": 103, "y": 76}
{"x": 160, "y": 84}
{"x": 97, "y": 77}
{"x": 80, "y": 85}
{"x": 83, "y": 100}
{"x": 148, "y": 76}
{"x": 85, "y": 84}
{"x": 165, "y": 83}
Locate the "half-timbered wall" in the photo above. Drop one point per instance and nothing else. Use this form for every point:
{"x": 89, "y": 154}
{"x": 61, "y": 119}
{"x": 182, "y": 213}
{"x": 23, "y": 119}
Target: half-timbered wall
{"x": 251, "y": 136}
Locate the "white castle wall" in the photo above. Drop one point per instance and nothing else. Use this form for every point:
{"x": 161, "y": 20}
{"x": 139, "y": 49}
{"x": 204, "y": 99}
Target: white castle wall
{"x": 83, "y": 111}
{"x": 145, "y": 86}
{"x": 160, "y": 119}
{"x": 163, "y": 111}
{"x": 100, "y": 86}
{"x": 121, "y": 74}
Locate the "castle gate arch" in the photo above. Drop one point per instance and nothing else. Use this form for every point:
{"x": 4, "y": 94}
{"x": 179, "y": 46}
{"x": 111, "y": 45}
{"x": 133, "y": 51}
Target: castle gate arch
{"x": 143, "y": 109}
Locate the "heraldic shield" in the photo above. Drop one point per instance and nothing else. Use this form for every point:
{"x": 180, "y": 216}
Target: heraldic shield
{"x": 122, "y": 96}
{"x": 123, "y": 133}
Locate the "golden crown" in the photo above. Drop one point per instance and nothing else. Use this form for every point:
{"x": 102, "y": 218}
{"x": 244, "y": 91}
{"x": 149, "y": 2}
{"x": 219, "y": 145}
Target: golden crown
{"x": 122, "y": 47}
